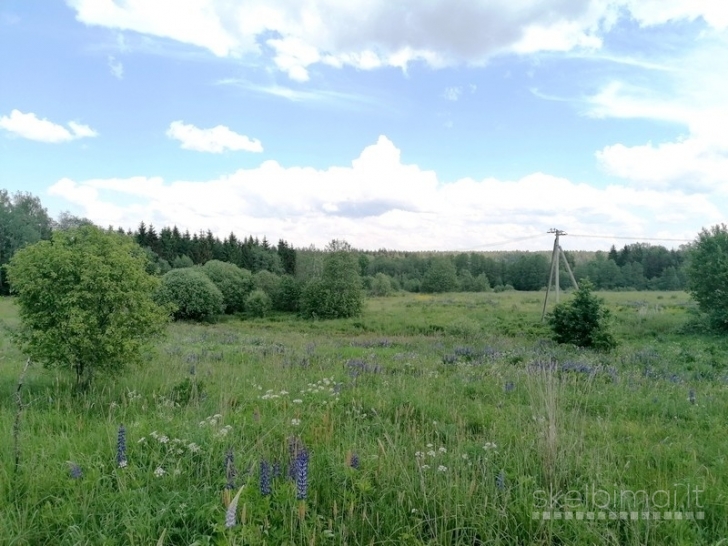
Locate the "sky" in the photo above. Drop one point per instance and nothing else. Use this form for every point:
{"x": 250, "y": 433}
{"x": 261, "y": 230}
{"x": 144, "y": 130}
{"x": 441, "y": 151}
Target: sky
{"x": 397, "y": 124}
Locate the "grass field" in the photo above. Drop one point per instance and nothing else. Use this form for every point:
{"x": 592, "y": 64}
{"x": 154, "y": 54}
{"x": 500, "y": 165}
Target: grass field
{"x": 446, "y": 419}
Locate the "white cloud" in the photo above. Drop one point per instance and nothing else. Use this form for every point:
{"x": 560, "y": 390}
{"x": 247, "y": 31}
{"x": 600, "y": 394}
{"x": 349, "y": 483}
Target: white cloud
{"x": 215, "y": 140}
{"x": 33, "y": 128}
{"x": 453, "y": 93}
{"x": 116, "y": 68}
{"x": 378, "y": 201}
{"x": 368, "y": 34}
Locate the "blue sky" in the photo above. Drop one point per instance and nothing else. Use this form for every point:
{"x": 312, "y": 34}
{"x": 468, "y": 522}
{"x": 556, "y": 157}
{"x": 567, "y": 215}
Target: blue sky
{"x": 404, "y": 125}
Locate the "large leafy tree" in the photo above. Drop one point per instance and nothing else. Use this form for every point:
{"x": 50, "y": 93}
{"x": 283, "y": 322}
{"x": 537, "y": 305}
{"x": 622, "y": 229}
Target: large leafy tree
{"x": 708, "y": 274}
{"x": 85, "y": 301}
{"x": 337, "y": 292}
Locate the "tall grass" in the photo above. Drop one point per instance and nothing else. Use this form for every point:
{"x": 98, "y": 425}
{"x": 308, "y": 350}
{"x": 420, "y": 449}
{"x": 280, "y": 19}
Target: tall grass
{"x": 461, "y": 415}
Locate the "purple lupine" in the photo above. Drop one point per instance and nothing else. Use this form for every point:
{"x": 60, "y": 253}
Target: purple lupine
{"x": 265, "y": 477}
{"x": 75, "y": 471}
{"x": 229, "y": 470}
{"x": 354, "y": 461}
{"x": 121, "y": 447}
{"x": 301, "y": 472}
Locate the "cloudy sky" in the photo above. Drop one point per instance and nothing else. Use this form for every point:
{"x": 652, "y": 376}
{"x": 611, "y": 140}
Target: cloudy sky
{"x": 401, "y": 124}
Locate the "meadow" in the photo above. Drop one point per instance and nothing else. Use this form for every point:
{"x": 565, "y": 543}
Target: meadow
{"x": 429, "y": 420}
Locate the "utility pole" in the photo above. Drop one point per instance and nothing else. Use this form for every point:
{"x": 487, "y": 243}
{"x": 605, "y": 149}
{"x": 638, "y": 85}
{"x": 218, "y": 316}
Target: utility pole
{"x": 554, "y": 275}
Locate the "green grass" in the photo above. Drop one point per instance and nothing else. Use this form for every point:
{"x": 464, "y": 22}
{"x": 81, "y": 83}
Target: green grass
{"x": 415, "y": 374}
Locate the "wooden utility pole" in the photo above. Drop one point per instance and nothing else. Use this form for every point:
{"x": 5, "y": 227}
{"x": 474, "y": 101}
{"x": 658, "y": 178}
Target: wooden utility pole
{"x": 554, "y": 275}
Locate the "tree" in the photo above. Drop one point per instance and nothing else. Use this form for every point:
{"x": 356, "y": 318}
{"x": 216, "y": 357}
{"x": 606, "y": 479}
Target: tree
{"x": 708, "y": 274}
{"x": 582, "y": 321}
{"x": 337, "y": 293}
{"x": 440, "y": 277}
{"x": 234, "y": 283}
{"x": 85, "y": 301}
{"x": 190, "y": 294}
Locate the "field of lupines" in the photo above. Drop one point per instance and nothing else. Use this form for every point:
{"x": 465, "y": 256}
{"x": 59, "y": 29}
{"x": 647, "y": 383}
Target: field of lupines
{"x": 429, "y": 420}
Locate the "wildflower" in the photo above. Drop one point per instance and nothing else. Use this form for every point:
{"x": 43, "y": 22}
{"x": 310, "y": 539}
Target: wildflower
{"x": 159, "y": 472}
{"x": 121, "y": 447}
{"x": 297, "y": 401}
{"x": 419, "y": 454}
{"x": 193, "y": 447}
{"x": 429, "y": 445}
{"x": 442, "y": 468}
{"x": 442, "y": 450}
{"x": 230, "y": 472}
{"x": 431, "y": 453}
{"x": 301, "y": 465}
{"x": 230, "y": 514}
{"x": 500, "y": 480}
{"x": 425, "y": 467}
{"x": 283, "y": 393}
{"x": 354, "y": 461}
{"x": 75, "y": 471}
{"x": 163, "y": 439}
{"x": 265, "y": 475}
{"x": 142, "y": 440}
{"x": 295, "y": 422}
{"x": 489, "y": 445}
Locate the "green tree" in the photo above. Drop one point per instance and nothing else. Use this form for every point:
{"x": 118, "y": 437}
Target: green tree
{"x": 234, "y": 283}
{"x": 338, "y": 292}
{"x": 707, "y": 272}
{"x": 190, "y": 294}
{"x": 85, "y": 301}
{"x": 582, "y": 321}
{"x": 258, "y": 303}
{"x": 440, "y": 277}
{"x": 381, "y": 285}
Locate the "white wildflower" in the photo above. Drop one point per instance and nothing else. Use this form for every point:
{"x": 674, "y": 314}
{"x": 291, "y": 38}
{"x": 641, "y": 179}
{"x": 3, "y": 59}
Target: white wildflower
{"x": 163, "y": 439}
{"x": 295, "y": 422}
{"x": 442, "y": 450}
{"x": 425, "y": 466}
{"x": 442, "y": 468}
{"x": 419, "y": 454}
{"x": 159, "y": 472}
{"x": 297, "y": 401}
{"x": 431, "y": 453}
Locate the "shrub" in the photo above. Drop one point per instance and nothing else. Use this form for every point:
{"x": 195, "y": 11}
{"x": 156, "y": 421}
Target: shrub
{"x": 234, "y": 283}
{"x": 582, "y": 321}
{"x": 190, "y": 294}
{"x": 258, "y": 303}
{"x": 180, "y": 262}
{"x": 708, "y": 274}
{"x": 381, "y": 285}
{"x": 288, "y": 297}
{"x": 440, "y": 277}
{"x": 85, "y": 301}
{"x": 268, "y": 282}
{"x": 338, "y": 292}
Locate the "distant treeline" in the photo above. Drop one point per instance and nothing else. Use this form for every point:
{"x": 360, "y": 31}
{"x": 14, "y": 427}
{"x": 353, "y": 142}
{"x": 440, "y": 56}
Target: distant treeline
{"x": 640, "y": 266}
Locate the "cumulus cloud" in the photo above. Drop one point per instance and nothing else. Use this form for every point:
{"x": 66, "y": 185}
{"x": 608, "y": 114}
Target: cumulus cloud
{"x": 368, "y": 34}
{"x": 215, "y": 140}
{"x": 379, "y": 201}
{"x": 41, "y": 130}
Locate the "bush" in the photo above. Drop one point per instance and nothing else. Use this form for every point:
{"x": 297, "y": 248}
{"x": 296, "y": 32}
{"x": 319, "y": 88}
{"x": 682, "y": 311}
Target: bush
{"x": 708, "y": 274}
{"x": 583, "y": 321}
{"x": 258, "y": 303}
{"x": 190, "y": 294}
{"x": 85, "y": 301}
{"x": 440, "y": 277}
{"x": 381, "y": 285}
{"x": 338, "y": 292}
{"x": 288, "y": 297}
{"x": 268, "y": 282}
{"x": 180, "y": 262}
{"x": 234, "y": 283}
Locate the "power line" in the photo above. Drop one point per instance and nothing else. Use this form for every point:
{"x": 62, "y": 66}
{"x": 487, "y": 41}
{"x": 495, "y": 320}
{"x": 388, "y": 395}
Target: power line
{"x": 631, "y": 238}
{"x": 501, "y": 242}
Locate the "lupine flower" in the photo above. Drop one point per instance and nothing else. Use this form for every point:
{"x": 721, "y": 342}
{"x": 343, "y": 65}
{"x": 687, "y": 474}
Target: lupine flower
{"x": 265, "y": 476}
{"x": 500, "y": 480}
{"x": 230, "y": 470}
{"x": 354, "y": 461}
{"x": 301, "y": 468}
{"x": 121, "y": 447}
{"x": 75, "y": 471}
{"x": 230, "y": 514}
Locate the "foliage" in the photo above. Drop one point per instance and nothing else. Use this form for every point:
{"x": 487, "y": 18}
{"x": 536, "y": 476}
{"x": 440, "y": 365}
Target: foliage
{"x": 381, "y": 285}
{"x": 440, "y": 277}
{"x": 85, "y": 301}
{"x": 258, "y": 303}
{"x": 268, "y": 282}
{"x": 582, "y": 321}
{"x": 288, "y": 296}
{"x": 708, "y": 274}
{"x": 180, "y": 262}
{"x": 234, "y": 283}
{"x": 23, "y": 221}
{"x": 190, "y": 294}
{"x": 337, "y": 293}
